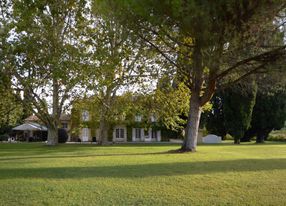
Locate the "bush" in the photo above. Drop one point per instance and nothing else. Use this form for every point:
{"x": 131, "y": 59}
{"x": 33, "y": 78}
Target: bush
{"x": 228, "y": 137}
{"x": 4, "y": 137}
{"x": 63, "y": 135}
{"x": 278, "y": 135}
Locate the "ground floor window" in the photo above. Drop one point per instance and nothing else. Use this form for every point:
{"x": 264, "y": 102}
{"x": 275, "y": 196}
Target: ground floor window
{"x": 154, "y": 134}
{"x": 119, "y": 133}
{"x": 138, "y": 133}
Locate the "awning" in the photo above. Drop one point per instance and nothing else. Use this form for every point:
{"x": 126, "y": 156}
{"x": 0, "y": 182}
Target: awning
{"x": 30, "y": 127}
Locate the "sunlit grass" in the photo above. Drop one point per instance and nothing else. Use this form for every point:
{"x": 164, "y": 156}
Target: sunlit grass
{"x": 226, "y": 174}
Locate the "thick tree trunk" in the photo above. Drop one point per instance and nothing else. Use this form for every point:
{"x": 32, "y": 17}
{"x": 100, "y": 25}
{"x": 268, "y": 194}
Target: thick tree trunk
{"x": 54, "y": 119}
{"x": 236, "y": 141}
{"x": 261, "y": 136}
{"x": 190, "y": 142}
{"x": 196, "y": 74}
{"x": 103, "y": 132}
{"x": 248, "y": 135}
{"x": 259, "y": 139}
{"x": 52, "y": 135}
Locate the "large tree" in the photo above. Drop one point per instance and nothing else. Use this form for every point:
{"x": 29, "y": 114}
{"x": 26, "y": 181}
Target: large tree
{"x": 117, "y": 63}
{"x": 208, "y": 42}
{"x": 269, "y": 112}
{"x": 238, "y": 103}
{"x": 43, "y": 56}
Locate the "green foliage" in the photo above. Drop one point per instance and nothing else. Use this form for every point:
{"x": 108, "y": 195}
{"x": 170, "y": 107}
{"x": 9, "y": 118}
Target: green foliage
{"x": 4, "y": 137}
{"x": 238, "y": 103}
{"x": 215, "y": 123}
{"x": 44, "y": 55}
{"x": 11, "y": 110}
{"x": 207, "y": 42}
{"x": 269, "y": 113}
{"x": 171, "y": 103}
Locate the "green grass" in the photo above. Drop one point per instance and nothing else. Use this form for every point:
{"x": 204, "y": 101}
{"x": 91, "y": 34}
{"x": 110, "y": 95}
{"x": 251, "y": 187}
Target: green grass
{"x": 248, "y": 174}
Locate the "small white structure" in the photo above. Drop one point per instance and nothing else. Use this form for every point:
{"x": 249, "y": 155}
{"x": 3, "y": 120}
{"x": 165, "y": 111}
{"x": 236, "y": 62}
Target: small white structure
{"x": 212, "y": 139}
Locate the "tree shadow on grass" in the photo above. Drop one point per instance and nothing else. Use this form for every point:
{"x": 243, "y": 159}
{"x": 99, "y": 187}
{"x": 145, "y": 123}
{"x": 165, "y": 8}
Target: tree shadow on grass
{"x": 82, "y": 156}
{"x": 147, "y": 170}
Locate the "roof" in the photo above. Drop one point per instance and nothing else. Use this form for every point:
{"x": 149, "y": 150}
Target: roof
{"x": 30, "y": 127}
{"x": 34, "y": 118}
{"x": 65, "y": 117}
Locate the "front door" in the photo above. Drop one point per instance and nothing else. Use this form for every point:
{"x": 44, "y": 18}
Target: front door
{"x": 85, "y": 134}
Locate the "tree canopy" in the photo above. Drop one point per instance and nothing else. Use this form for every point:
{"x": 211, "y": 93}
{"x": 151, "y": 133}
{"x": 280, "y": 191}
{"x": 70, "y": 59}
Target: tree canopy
{"x": 210, "y": 43}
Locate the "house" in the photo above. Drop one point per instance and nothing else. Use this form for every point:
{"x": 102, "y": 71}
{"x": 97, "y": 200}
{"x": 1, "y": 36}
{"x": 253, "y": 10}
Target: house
{"x": 138, "y": 130}
{"x": 65, "y": 121}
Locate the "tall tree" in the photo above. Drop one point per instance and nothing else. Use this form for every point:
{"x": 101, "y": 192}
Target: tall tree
{"x": 269, "y": 112}
{"x": 116, "y": 64}
{"x": 10, "y": 108}
{"x": 202, "y": 40}
{"x": 44, "y": 55}
{"x": 238, "y": 103}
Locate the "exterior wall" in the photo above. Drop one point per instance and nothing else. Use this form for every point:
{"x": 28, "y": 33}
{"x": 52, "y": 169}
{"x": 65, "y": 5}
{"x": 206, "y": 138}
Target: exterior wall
{"x": 85, "y": 135}
{"x": 146, "y": 137}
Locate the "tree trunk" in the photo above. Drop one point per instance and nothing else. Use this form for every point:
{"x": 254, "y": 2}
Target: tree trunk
{"x": 260, "y": 136}
{"x": 248, "y": 135}
{"x": 52, "y": 135}
{"x": 190, "y": 141}
{"x": 260, "y": 139}
{"x": 54, "y": 119}
{"x": 103, "y": 132}
{"x": 236, "y": 140}
{"x": 196, "y": 74}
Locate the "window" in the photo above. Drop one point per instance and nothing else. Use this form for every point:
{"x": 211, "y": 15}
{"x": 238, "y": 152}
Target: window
{"x": 138, "y": 118}
{"x": 85, "y": 115}
{"x": 154, "y": 134}
{"x": 65, "y": 125}
{"x": 153, "y": 118}
{"x": 119, "y": 133}
{"x": 138, "y": 133}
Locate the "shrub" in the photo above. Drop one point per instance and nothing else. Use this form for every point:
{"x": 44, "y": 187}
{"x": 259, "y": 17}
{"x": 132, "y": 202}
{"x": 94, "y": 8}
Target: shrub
{"x": 63, "y": 135}
{"x": 4, "y": 137}
{"x": 278, "y": 135}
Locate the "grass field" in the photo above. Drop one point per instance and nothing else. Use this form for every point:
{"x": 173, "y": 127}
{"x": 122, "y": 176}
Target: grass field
{"x": 248, "y": 174}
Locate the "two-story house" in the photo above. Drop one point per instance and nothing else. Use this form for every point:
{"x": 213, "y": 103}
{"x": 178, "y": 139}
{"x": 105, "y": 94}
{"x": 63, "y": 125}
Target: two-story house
{"x": 140, "y": 129}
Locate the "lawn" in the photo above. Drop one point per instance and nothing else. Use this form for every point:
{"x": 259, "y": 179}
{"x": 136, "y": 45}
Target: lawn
{"x": 248, "y": 174}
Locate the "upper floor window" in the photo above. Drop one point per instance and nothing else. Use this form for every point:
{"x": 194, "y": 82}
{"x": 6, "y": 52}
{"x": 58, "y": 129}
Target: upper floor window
{"x": 119, "y": 133}
{"x": 65, "y": 125}
{"x": 153, "y": 118}
{"x": 85, "y": 115}
{"x": 138, "y": 118}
